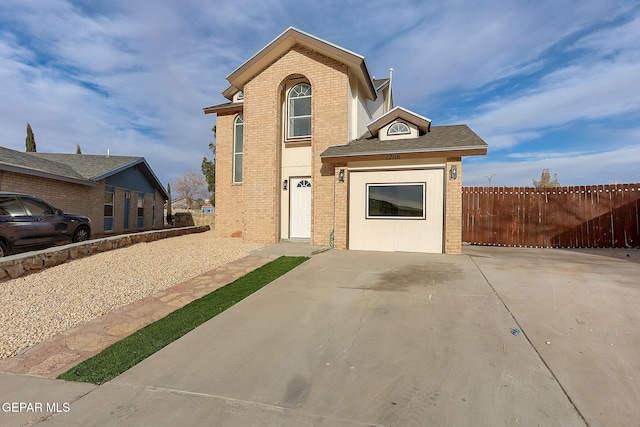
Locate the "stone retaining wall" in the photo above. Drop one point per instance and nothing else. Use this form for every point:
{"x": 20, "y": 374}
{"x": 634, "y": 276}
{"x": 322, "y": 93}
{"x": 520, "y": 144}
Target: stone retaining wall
{"x": 18, "y": 265}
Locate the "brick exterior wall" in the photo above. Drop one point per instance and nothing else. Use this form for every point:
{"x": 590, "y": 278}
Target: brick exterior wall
{"x": 341, "y": 233}
{"x": 229, "y": 213}
{"x": 85, "y": 200}
{"x": 255, "y": 207}
{"x": 453, "y": 209}
{"x": 252, "y": 209}
{"x": 72, "y": 198}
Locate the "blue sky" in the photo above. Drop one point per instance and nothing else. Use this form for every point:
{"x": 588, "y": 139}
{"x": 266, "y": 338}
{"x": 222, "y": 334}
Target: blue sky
{"x": 548, "y": 84}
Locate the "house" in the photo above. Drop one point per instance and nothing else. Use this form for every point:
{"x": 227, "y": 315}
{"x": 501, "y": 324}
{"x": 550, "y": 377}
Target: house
{"x": 119, "y": 193}
{"x": 311, "y": 147}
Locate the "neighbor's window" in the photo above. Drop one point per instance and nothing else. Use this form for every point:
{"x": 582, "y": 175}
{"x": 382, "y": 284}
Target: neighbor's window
{"x": 397, "y": 201}
{"x": 299, "y": 111}
{"x": 140, "y": 210}
{"x": 238, "y": 136}
{"x": 108, "y": 207}
{"x": 398, "y": 129}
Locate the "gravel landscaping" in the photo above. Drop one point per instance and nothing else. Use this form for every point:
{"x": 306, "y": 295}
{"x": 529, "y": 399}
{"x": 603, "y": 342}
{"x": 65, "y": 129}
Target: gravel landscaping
{"x": 38, "y": 306}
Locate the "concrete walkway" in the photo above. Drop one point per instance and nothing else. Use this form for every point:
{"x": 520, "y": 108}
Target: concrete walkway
{"x": 360, "y": 338}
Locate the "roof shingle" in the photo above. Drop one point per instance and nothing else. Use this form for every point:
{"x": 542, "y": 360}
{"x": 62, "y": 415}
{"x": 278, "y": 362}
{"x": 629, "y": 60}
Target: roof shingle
{"x": 439, "y": 139}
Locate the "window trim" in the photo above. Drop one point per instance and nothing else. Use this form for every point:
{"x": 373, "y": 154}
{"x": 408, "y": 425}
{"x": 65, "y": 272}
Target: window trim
{"x": 238, "y": 121}
{"x": 109, "y": 189}
{"x": 386, "y": 184}
{"x": 288, "y": 126}
{"x": 140, "y": 209}
{"x": 390, "y": 133}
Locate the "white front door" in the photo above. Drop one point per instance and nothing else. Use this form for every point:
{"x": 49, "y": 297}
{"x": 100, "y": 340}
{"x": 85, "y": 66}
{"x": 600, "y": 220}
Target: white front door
{"x": 300, "y": 208}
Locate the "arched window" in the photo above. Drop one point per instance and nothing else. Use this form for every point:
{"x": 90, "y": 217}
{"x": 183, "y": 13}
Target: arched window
{"x": 299, "y": 111}
{"x": 398, "y": 129}
{"x": 238, "y": 134}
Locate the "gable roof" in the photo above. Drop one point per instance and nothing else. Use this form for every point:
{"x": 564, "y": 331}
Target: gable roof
{"x": 441, "y": 139}
{"x": 85, "y": 169}
{"x": 423, "y": 123}
{"x": 285, "y": 41}
{"x": 27, "y": 163}
{"x": 91, "y": 166}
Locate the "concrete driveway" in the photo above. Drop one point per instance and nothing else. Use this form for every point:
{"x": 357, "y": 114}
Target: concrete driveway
{"x": 391, "y": 339}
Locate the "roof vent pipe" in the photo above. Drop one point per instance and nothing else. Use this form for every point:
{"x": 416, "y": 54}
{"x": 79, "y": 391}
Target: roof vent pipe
{"x": 389, "y": 106}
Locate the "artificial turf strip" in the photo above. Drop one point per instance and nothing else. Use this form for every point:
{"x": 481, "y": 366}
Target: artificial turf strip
{"x": 124, "y": 354}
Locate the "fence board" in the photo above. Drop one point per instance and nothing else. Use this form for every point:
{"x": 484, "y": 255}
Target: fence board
{"x": 573, "y": 217}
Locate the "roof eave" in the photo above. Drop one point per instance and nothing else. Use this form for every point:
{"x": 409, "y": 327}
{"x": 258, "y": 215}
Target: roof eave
{"x": 471, "y": 150}
{"x": 224, "y": 108}
{"x": 285, "y": 41}
{"x": 41, "y": 174}
{"x": 422, "y": 122}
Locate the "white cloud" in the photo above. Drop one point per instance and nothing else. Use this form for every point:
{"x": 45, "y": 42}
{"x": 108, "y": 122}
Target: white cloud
{"x": 134, "y": 76}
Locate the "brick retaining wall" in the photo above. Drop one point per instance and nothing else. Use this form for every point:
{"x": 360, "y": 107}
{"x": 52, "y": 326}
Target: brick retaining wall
{"x": 18, "y": 265}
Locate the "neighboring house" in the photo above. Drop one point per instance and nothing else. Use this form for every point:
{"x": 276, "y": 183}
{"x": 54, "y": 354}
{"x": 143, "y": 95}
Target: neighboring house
{"x": 310, "y": 147}
{"x": 119, "y": 194}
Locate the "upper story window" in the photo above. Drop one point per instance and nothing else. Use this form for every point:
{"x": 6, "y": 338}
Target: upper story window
{"x": 299, "y": 111}
{"x": 398, "y": 129}
{"x": 238, "y": 134}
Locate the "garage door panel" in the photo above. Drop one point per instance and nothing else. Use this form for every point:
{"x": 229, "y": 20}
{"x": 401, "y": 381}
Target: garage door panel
{"x": 396, "y": 234}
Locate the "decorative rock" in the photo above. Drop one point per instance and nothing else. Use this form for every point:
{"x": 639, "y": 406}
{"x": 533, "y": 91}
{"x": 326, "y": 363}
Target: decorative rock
{"x": 56, "y": 300}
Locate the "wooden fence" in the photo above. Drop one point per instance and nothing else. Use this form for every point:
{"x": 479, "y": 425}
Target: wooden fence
{"x": 597, "y": 216}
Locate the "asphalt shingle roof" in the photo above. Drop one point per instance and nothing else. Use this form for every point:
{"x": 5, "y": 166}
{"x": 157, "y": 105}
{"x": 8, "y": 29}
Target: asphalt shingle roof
{"x": 89, "y": 166}
{"x": 43, "y": 165}
{"x": 440, "y": 138}
{"x": 86, "y": 169}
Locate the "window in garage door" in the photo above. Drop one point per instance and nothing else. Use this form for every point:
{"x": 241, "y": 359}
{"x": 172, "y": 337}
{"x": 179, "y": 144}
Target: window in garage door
{"x": 396, "y": 210}
{"x": 396, "y": 201}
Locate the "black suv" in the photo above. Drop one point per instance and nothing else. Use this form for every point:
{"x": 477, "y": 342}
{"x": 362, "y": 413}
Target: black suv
{"x": 27, "y": 222}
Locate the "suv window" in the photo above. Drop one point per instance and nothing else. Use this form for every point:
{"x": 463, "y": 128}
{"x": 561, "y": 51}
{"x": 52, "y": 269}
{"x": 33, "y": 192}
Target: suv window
{"x": 11, "y": 206}
{"x": 38, "y": 207}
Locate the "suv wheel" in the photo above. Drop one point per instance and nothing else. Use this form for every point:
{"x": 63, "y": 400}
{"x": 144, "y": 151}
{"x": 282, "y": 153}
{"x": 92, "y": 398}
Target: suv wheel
{"x": 3, "y": 250}
{"x": 80, "y": 235}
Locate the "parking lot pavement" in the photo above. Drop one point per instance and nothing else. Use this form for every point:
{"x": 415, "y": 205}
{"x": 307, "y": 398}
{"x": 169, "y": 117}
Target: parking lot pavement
{"x": 580, "y": 310}
{"x": 349, "y": 339}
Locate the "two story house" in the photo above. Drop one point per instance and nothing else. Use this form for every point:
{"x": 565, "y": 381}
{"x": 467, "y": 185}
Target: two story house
{"x": 310, "y": 147}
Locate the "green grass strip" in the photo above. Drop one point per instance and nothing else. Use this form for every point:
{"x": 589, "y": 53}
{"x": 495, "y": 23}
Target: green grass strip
{"x": 124, "y": 354}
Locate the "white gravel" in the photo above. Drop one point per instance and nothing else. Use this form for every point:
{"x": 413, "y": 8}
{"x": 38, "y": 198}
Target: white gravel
{"x": 38, "y": 306}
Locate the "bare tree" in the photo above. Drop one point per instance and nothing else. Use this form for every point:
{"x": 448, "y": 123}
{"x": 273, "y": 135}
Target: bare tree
{"x": 546, "y": 181}
{"x": 191, "y": 186}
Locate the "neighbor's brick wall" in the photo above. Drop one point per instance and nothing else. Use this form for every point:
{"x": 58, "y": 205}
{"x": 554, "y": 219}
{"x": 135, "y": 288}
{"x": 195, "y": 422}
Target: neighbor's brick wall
{"x": 263, "y": 132}
{"x": 85, "y": 200}
{"x": 72, "y": 198}
{"x": 453, "y": 209}
{"x": 229, "y": 211}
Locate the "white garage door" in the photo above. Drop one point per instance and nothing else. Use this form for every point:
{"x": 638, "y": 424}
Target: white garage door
{"x": 396, "y": 210}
